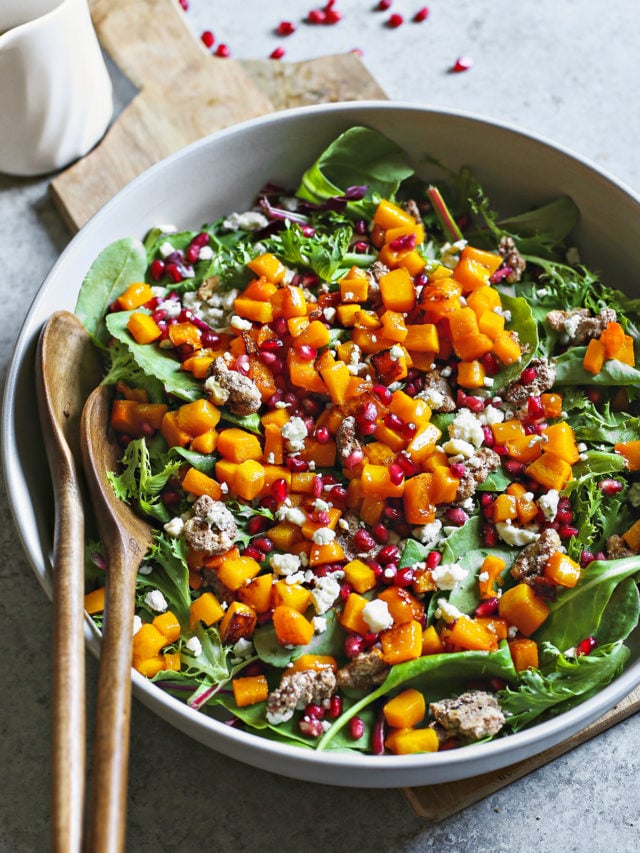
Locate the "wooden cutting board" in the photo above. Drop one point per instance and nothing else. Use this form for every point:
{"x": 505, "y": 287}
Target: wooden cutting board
{"x": 185, "y": 94}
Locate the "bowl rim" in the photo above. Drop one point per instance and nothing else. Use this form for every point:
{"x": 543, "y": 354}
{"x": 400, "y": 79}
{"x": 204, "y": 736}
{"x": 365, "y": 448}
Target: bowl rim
{"x": 401, "y": 769}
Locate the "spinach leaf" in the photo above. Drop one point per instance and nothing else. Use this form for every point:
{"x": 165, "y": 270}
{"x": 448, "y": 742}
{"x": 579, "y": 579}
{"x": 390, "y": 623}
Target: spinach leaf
{"x": 621, "y": 613}
{"x": 565, "y": 683}
{"x": 202, "y": 462}
{"x": 497, "y": 481}
{"x": 251, "y": 423}
{"x": 269, "y": 649}
{"x": 116, "y": 267}
{"x": 569, "y": 371}
{"x": 412, "y": 553}
{"x": 577, "y": 612}
{"x": 153, "y": 361}
{"x": 358, "y": 157}
{"x": 523, "y": 322}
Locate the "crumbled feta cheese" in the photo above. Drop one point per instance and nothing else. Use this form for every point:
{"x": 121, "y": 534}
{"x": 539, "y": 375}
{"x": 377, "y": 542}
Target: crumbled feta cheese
{"x": 321, "y": 506}
{"x": 145, "y": 569}
{"x": 447, "y": 575}
{"x": 174, "y": 527}
{"x": 343, "y": 524}
{"x": 445, "y": 372}
{"x": 512, "y": 631}
{"x": 240, "y": 323}
{"x": 205, "y": 254}
{"x": 173, "y": 307}
{"x": 285, "y": 564}
{"x": 165, "y": 249}
{"x": 155, "y": 600}
{"x": 548, "y": 503}
{"x": 396, "y": 352}
{"x": 319, "y": 624}
{"x": 428, "y": 533}
{"x": 243, "y": 648}
{"x": 376, "y": 614}
{"x": 432, "y": 397}
{"x": 466, "y": 426}
{"x": 324, "y": 594}
{"x": 448, "y": 612}
{"x": 295, "y": 578}
{"x": 458, "y": 447}
{"x": 194, "y": 645}
{"x": 295, "y": 515}
{"x": 329, "y": 314}
{"x": 488, "y": 381}
{"x": 294, "y": 433}
{"x": 137, "y": 624}
{"x": 280, "y": 404}
{"x": 571, "y": 324}
{"x": 513, "y": 535}
{"x": 252, "y": 220}
{"x": 323, "y": 536}
{"x": 483, "y": 577}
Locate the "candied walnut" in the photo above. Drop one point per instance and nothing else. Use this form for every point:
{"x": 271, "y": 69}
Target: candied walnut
{"x": 617, "y": 548}
{"x": 296, "y": 690}
{"x": 208, "y": 288}
{"x": 473, "y": 715}
{"x": 411, "y": 206}
{"x": 579, "y": 324}
{"x": 212, "y": 529}
{"x": 437, "y": 392}
{"x": 530, "y": 562}
{"x": 345, "y": 538}
{"x": 364, "y": 672}
{"x": 477, "y": 469}
{"x": 544, "y": 379}
{"x": 511, "y": 258}
{"x": 346, "y": 439}
{"x": 229, "y": 387}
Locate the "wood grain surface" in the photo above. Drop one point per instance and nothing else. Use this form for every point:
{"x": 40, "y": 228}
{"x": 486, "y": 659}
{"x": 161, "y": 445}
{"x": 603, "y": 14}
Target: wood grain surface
{"x": 151, "y": 43}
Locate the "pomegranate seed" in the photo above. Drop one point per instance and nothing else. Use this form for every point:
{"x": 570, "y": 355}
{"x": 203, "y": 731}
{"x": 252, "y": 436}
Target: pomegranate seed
{"x": 269, "y": 502}
{"x": 434, "y": 558}
{"x": 396, "y": 474}
{"x": 354, "y": 459}
{"x": 279, "y": 326}
{"x": 404, "y": 577}
{"x": 323, "y": 517}
{"x": 314, "y": 711}
{"x": 490, "y": 363}
{"x": 332, "y": 16}
{"x": 296, "y": 465}
{"x": 157, "y": 269}
{"x": 610, "y": 487}
{"x": 256, "y": 524}
{"x": 535, "y": 409}
{"x": 594, "y": 395}
{"x": 263, "y": 543}
{"x": 513, "y": 467}
{"x": 311, "y": 728}
{"x": 407, "y": 464}
{"x": 271, "y": 345}
{"x": 421, "y": 15}
{"x": 457, "y": 470}
{"x": 255, "y": 553}
{"x": 356, "y": 728}
{"x": 393, "y": 513}
{"x": 486, "y": 500}
{"x": 277, "y": 53}
{"x": 382, "y": 393}
{"x": 170, "y": 498}
{"x": 338, "y": 494}
{"x": 317, "y": 487}
{"x": 383, "y": 5}
{"x": 396, "y": 20}
{"x": 210, "y": 339}
{"x": 599, "y": 555}
{"x": 487, "y": 608}
{"x": 174, "y": 272}
{"x": 268, "y": 358}
{"x": 335, "y": 707}
{"x": 587, "y": 645}
{"x": 462, "y": 63}
{"x": 489, "y": 535}
{"x": 353, "y": 645}
{"x": 345, "y": 591}
{"x": 408, "y": 430}
{"x": 566, "y": 531}
{"x": 378, "y": 736}
{"x": 476, "y": 404}
{"x": 387, "y": 554}
{"x": 380, "y": 533}
{"x": 285, "y": 28}
{"x": 564, "y": 516}
{"x": 223, "y": 51}
{"x": 317, "y": 16}
{"x": 363, "y": 540}
{"x": 500, "y": 449}
{"x": 410, "y": 389}
{"x": 393, "y": 422}
{"x": 184, "y": 5}
{"x": 306, "y": 352}
{"x": 456, "y": 515}
{"x": 158, "y": 316}
{"x": 489, "y": 438}
{"x": 389, "y": 573}
{"x": 360, "y": 247}
{"x": 586, "y": 557}
{"x": 528, "y": 375}
{"x": 207, "y": 39}
{"x": 279, "y": 489}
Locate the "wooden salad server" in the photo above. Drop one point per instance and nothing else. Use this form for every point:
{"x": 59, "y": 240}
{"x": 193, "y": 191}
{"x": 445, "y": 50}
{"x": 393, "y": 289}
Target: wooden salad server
{"x": 125, "y": 538}
{"x": 67, "y": 369}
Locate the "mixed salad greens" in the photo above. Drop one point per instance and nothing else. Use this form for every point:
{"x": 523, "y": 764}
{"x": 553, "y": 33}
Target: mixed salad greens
{"x": 390, "y": 443}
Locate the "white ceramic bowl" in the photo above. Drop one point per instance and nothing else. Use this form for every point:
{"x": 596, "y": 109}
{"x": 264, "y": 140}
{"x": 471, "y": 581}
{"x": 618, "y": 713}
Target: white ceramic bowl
{"x": 223, "y": 173}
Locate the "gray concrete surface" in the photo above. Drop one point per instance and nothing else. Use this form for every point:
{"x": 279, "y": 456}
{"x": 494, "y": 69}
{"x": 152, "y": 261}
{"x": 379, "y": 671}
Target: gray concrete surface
{"x": 566, "y": 69}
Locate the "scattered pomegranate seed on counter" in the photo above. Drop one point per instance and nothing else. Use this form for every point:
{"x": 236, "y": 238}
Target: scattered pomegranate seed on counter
{"x": 223, "y": 51}
{"x": 185, "y": 5}
{"x": 394, "y": 21}
{"x": 462, "y": 63}
{"x": 421, "y": 15}
{"x": 383, "y": 5}
{"x": 285, "y": 28}
{"x": 207, "y": 38}
{"x": 277, "y": 53}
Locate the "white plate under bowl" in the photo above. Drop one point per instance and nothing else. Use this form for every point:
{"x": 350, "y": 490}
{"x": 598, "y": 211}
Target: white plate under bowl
{"x": 223, "y": 173}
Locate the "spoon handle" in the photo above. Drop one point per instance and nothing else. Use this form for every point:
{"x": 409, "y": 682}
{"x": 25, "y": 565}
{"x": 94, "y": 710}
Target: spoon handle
{"x": 68, "y": 682}
{"x": 107, "y": 808}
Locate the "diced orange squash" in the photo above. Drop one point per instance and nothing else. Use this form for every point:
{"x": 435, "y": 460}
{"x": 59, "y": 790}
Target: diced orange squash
{"x": 631, "y": 452}
{"x": 346, "y": 314}
{"x": 406, "y": 709}
{"x": 226, "y": 472}
{"x": 393, "y": 326}
{"x": 336, "y": 377}
{"x": 253, "y": 309}
{"x": 411, "y": 741}
{"x": 330, "y": 553}
{"x": 595, "y": 356}
{"x": 136, "y": 418}
{"x": 351, "y": 617}
{"x": 491, "y": 569}
{"x": 135, "y": 295}
{"x": 483, "y": 300}
{"x": 389, "y": 215}
{"x": 612, "y": 337}
{"x": 409, "y": 409}
{"x": 440, "y": 298}
{"x": 269, "y": 266}
{"x": 524, "y": 448}
{"x": 249, "y": 479}
{"x": 561, "y": 569}
{"x": 169, "y": 625}
{"x": 94, "y": 600}
{"x": 397, "y": 290}
{"x": 273, "y": 473}
{"x": 324, "y": 455}
{"x": 196, "y": 483}
{"x": 236, "y": 571}
{"x": 423, "y": 444}
{"x": 378, "y": 453}
{"x": 143, "y": 328}
{"x": 297, "y": 325}
{"x": 205, "y": 442}
{"x": 471, "y": 274}
{"x": 527, "y": 509}
{"x": 491, "y": 324}
{"x": 147, "y": 642}
{"x": 171, "y": 662}
{"x": 472, "y": 347}
{"x": 444, "y": 486}
{"x": 417, "y": 229}
{"x": 317, "y": 663}
{"x": 316, "y": 335}
{"x": 292, "y": 627}
{"x": 507, "y": 430}
{"x": 471, "y": 374}
{"x": 257, "y": 593}
{"x": 149, "y": 667}
{"x": 303, "y": 374}
{"x": 436, "y": 459}
{"x": 354, "y": 287}
{"x": 463, "y": 324}
{"x": 504, "y": 508}
{"x": 627, "y": 354}
{"x": 520, "y": 606}
{"x": 284, "y": 535}
{"x": 172, "y": 434}
{"x": 632, "y": 536}
{"x": 418, "y": 500}
{"x": 550, "y": 471}
{"x": 273, "y": 452}
{"x": 185, "y": 334}
{"x": 422, "y": 337}
{"x": 366, "y": 319}
{"x": 289, "y": 301}
{"x": 524, "y": 653}
{"x": 260, "y": 289}
{"x": 359, "y": 576}
{"x": 238, "y": 623}
{"x": 561, "y": 442}
{"x": 276, "y": 417}
{"x": 371, "y": 510}
{"x": 401, "y": 642}
{"x": 302, "y": 482}
{"x": 198, "y": 417}
{"x": 376, "y": 482}
{"x": 466, "y": 633}
{"x": 495, "y": 625}
{"x": 490, "y": 260}
{"x": 237, "y": 445}
{"x": 205, "y": 609}
{"x": 431, "y": 642}
{"x": 249, "y": 690}
{"x": 292, "y": 594}
{"x": 507, "y": 348}
{"x": 402, "y": 604}
{"x": 551, "y": 404}
{"x": 370, "y": 341}
{"x": 409, "y": 260}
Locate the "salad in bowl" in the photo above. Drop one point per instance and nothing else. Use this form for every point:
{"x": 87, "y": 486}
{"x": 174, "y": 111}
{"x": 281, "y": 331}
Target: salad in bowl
{"x": 390, "y": 444}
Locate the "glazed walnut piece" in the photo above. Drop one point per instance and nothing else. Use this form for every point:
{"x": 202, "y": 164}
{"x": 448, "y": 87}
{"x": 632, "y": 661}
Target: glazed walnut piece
{"x": 364, "y": 672}
{"x": 579, "y": 324}
{"x": 233, "y": 389}
{"x": 511, "y": 258}
{"x": 212, "y": 529}
{"x": 297, "y": 690}
{"x": 531, "y": 561}
{"x": 472, "y": 716}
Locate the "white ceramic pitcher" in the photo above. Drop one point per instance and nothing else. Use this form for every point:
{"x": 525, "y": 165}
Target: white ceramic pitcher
{"x": 55, "y": 91}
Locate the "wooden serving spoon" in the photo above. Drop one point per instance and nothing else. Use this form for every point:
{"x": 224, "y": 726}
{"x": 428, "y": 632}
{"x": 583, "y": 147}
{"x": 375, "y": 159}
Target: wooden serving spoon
{"x": 125, "y": 538}
{"x": 67, "y": 369}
